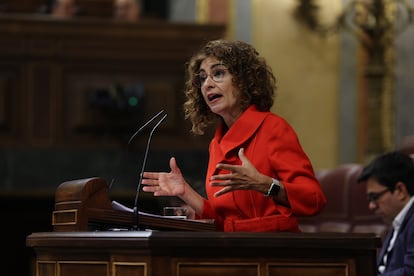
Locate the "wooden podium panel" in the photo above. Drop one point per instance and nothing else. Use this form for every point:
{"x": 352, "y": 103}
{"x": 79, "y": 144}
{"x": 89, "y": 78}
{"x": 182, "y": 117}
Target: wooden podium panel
{"x": 186, "y": 253}
{"x": 84, "y": 205}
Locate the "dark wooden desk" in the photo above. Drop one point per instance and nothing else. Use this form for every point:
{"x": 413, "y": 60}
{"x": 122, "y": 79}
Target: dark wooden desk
{"x": 203, "y": 253}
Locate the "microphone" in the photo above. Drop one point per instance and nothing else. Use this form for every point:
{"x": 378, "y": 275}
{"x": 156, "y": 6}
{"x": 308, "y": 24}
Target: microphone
{"x": 142, "y": 127}
{"x": 132, "y": 138}
{"x": 135, "y": 209}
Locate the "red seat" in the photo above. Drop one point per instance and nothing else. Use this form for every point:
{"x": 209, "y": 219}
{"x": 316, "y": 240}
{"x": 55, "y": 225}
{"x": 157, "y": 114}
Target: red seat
{"x": 346, "y": 209}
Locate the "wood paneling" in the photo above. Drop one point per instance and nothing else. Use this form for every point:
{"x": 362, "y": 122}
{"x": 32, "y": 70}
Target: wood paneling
{"x": 12, "y": 104}
{"x": 49, "y": 69}
{"x": 208, "y": 253}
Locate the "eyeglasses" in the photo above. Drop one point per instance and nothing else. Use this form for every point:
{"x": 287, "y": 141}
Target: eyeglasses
{"x": 373, "y": 197}
{"x": 217, "y": 75}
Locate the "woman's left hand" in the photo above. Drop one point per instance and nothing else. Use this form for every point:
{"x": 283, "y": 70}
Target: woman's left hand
{"x": 241, "y": 177}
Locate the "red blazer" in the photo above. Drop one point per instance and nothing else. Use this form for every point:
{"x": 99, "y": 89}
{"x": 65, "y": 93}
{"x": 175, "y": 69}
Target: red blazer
{"x": 273, "y": 147}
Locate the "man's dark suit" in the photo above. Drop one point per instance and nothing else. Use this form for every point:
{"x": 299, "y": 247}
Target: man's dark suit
{"x": 401, "y": 257}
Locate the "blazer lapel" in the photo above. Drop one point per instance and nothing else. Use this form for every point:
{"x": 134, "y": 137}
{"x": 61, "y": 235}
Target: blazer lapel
{"x": 385, "y": 246}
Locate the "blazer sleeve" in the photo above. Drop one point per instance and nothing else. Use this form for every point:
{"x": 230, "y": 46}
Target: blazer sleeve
{"x": 295, "y": 170}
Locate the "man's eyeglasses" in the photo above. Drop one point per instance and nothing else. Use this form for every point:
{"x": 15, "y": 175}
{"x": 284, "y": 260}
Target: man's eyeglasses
{"x": 217, "y": 75}
{"x": 373, "y": 197}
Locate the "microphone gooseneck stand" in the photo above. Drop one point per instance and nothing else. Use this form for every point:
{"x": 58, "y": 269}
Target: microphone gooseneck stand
{"x": 135, "y": 209}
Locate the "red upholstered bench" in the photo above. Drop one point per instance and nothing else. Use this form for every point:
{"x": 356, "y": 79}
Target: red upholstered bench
{"x": 347, "y": 208}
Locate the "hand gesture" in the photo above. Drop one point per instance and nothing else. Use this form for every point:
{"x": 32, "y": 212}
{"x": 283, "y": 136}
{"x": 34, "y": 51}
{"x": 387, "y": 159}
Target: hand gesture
{"x": 165, "y": 184}
{"x": 241, "y": 177}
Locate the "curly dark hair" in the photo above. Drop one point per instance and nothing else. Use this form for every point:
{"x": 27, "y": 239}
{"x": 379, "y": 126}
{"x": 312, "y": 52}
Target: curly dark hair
{"x": 250, "y": 72}
{"x": 389, "y": 169}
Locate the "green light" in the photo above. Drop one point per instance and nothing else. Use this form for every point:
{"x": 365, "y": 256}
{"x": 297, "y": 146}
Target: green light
{"x": 133, "y": 101}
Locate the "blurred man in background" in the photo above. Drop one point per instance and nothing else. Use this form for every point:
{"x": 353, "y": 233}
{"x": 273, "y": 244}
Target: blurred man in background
{"x": 64, "y": 9}
{"x": 127, "y": 10}
{"x": 390, "y": 189}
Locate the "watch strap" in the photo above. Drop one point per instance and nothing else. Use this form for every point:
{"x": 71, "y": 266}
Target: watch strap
{"x": 274, "y": 188}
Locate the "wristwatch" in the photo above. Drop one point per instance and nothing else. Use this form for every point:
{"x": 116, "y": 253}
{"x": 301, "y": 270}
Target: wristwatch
{"x": 274, "y": 188}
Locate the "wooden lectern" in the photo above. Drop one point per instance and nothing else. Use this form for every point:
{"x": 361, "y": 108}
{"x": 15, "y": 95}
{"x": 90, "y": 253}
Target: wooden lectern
{"x": 73, "y": 249}
{"x": 195, "y": 253}
{"x": 84, "y": 205}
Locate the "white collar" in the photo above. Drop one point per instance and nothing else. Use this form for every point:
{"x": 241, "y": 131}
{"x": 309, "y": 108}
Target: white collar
{"x": 401, "y": 215}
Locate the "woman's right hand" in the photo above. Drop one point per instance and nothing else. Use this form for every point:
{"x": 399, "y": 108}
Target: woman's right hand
{"x": 163, "y": 183}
